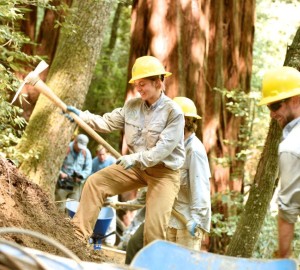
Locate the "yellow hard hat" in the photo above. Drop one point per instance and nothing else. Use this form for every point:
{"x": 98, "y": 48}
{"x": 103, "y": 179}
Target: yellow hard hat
{"x": 147, "y": 66}
{"x": 187, "y": 106}
{"x": 280, "y": 84}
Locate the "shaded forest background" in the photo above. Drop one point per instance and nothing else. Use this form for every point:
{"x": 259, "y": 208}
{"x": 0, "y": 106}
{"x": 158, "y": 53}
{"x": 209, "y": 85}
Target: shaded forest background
{"x": 216, "y": 50}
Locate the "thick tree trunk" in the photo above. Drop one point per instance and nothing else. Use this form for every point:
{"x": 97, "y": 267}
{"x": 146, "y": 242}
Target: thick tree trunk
{"x": 193, "y": 52}
{"x": 48, "y": 132}
{"x": 154, "y": 32}
{"x": 229, "y": 66}
{"x": 261, "y": 191}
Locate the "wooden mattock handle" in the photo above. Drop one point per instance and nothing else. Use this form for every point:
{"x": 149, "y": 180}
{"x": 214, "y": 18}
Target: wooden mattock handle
{"x": 39, "y": 85}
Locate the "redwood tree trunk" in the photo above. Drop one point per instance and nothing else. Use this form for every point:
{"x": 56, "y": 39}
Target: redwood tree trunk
{"x": 154, "y": 32}
{"x": 229, "y": 66}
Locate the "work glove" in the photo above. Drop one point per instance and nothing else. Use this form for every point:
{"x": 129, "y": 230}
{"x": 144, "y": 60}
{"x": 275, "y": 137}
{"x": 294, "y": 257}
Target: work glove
{"x": 126, "y": 161}
{"x": 69, "y": 117}
{"x": 194, "y": 228}
{"x": 73, "y": 110}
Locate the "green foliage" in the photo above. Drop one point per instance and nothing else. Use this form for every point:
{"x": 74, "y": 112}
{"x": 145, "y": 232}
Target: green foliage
{"x": 267, "y": 242}
{"x": 223, "y": 226}
{"x": 276, "y": 25}
{"x": 10, "y": 127}
{"x": 249, "y": 142}
{"x": 296, "y": 241}
{"x": 12, "y": 59}
{"x": 11, "y": 38}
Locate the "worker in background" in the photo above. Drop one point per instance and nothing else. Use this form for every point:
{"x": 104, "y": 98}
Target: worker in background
{"x": 101, "y": 161}
{"x": 77, "y": 166}
{"x": 193, "y": 201}
{"x": 281, "y": 93}
{"x": 153, "y": 129}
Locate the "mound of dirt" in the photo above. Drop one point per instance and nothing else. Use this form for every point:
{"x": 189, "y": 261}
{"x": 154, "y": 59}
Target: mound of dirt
{"x": 23, "y": 204}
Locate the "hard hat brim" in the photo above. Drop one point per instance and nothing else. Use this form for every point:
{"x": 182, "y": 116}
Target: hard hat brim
{"x": 193, "y": 115}
{"x": 166, "y": 74}
{"x": 280, "y": 96}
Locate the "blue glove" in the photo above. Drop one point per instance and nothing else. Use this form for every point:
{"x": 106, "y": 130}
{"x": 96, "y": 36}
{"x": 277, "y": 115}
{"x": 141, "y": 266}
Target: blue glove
{"x": 126, "y": 161}
{"x": 73, "y": 110}
{"x": 69, "y": 117}
{"x": 191, "y": 227}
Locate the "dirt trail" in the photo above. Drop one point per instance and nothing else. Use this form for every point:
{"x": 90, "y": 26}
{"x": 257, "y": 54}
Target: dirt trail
{"x": 24, "y": 205}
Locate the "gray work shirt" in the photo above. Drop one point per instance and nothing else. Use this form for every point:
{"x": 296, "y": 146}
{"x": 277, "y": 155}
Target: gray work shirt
{"x": 154, "y": 132}
{"x": 194, "y": 195}
{"x": 289, "y": 168}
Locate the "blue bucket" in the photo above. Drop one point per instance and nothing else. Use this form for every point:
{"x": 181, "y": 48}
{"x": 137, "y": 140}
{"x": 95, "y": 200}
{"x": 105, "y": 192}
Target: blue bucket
{"x": 104, "y": 218}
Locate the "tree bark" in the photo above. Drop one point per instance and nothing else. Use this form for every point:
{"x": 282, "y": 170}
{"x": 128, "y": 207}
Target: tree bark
{"x": 229, "y": 66}
{"x": 48, "y": 132}
{"x": 154, "y": 32}
{"x": 262, "y": 189}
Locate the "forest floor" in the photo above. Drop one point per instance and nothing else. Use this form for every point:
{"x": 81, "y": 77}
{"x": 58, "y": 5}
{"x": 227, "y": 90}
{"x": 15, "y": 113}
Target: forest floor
{"x": 24, "y": 205}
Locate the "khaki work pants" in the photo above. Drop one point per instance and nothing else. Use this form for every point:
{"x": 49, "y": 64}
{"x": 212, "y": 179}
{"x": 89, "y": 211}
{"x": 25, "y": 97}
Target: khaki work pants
{"x": 163, "y": 186}
{"x": 184, "y": 238}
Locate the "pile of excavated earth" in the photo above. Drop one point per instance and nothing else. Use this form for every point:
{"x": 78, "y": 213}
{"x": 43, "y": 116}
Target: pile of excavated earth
{"x": 24, "y": 205}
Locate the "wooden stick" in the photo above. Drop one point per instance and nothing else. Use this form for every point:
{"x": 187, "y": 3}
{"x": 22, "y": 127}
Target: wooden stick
{"x": 139, "y": 206}
{"x": 39, "y": 85}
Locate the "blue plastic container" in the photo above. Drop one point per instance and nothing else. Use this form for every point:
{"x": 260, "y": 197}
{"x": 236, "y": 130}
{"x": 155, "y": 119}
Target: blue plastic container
{"x": 104, "y": 218}
{"x": 165, "y": 255}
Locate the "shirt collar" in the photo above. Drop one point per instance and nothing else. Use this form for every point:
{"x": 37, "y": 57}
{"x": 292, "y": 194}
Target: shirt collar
{"x": 156, "y": 103}
{"x": 288, "y": 128}
{"x": 188, "y": 140}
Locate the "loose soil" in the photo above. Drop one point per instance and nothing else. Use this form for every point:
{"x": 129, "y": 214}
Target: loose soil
{"x": 23, "y": 204}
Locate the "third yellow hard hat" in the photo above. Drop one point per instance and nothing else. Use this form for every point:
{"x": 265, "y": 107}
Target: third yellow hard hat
{"x": 147, "y": 66}
{"x": 279, "y": 84}
{"x": 187, "y": 106}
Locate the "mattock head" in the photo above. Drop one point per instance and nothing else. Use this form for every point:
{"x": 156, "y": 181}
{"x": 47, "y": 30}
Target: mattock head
{"x": 32, "y": 78}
